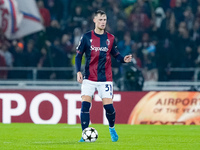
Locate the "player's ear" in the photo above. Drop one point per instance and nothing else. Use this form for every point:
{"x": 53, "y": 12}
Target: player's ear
{"x": 94, "y": 20}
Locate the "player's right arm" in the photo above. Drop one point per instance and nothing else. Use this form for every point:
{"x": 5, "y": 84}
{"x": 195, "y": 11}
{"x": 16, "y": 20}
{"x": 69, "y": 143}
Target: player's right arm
{"x": 79, "y": 77}
{"x": 79, "y": 54}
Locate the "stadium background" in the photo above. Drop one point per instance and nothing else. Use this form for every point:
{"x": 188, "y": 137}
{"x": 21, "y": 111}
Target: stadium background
{"x": 161, "y": 35}
{"x": 38, "y": 85}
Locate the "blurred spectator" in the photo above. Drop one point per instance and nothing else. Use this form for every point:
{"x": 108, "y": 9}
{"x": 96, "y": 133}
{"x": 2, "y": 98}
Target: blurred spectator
{"x": 185, "y": 4}
{"x": 145, "y": 7}
{"x": 59, "y": 59}
{"x": 188, "y": 62}
{"x": 32, "y": 57}
{"x": 136, "y": 31}
{"x": 125, "y": 45}
{"x": 66, "y": 10}
{"x": 98, "y": 4}
{"x": 76, "y": 18}
{"x": 44, "y": 13}
{"x": 166, "y": 4}
{"x": 142, "y": 48}
{"x": 18, "y": 50}
{"x": 31, "y": 53}
{"x": 134, "y": 50}
{"x": 44, "y": 61}
{"x": 164, "y": 55}
{"x": 4, "y": 51}
{"x": 84, "y": 26}
{"x": 114, "y": 14}
{"x": 19, "y": 61}
{"x": 55, "y": 8}
{"x": 146, "y": 53}
{"x": 159, "y": 16}
{"x": 188, "y": 18}
{"x": 141, "y": 18}
{"x": 86, "y": 6}
{"x": 189, "y": 57}
{"x": 66, "y": 43}
{"x": 53, "y": 31}
{"x": 178, "y": 12}
{"x": 195, "y": 33}
{"x": 3, "y": 73}
{"x": 67, "y": 47}
{"x": 198, "y": 13}
{"x": 197, "y": 60}
{"x": 121, "y": 27}
{"x": 182, "y": 40}
{"x": 167, "y": 25}
{"x": 76, "y": 38}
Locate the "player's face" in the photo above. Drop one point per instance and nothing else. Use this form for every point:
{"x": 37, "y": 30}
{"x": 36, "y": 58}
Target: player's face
{"x": 100, "y": 21}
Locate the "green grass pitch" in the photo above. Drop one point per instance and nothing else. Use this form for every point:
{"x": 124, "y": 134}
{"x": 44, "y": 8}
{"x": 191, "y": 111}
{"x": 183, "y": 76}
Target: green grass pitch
{"x": 22, "y": 136}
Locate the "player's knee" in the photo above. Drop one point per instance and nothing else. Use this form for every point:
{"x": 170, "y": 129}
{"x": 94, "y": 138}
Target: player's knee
{"x": 85, "y": 106}
{"x": 86, "y": 98}
{"x": 107, "y": 101}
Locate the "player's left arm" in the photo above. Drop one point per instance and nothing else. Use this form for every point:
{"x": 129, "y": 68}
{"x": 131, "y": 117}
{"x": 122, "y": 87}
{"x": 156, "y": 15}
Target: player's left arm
{"x": 118, "y": 56}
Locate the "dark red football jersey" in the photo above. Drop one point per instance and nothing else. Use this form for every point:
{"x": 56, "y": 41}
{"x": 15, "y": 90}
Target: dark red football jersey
{"x": 98, "y": 50}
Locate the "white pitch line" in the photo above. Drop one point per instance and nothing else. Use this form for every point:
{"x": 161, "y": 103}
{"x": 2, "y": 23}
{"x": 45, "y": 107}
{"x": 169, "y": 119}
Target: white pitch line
{"x": 71, "y": 127}
{"x": 43, "y": 142}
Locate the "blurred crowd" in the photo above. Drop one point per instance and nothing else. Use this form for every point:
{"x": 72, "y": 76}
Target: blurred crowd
{"x": 160, "y": 34}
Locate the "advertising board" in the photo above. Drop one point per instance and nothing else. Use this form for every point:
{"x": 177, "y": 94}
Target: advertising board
{"x": 52, "y": 107}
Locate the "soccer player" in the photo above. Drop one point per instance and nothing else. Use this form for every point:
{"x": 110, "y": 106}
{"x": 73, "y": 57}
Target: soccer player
{"x": 98, "y": 46}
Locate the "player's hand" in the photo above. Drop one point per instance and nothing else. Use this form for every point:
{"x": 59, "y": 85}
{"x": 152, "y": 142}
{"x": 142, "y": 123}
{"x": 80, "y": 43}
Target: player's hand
{"x": 79, "y": 77}
{"x": 127, "y": 58}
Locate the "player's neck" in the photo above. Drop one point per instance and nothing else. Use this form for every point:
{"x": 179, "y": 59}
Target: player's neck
{"x": 98, "y": 31}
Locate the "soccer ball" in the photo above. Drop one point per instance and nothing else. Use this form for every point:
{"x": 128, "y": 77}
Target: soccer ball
{"x": 90, "y": 134}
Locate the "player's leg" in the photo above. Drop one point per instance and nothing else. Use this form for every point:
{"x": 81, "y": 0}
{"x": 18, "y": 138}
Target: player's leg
{"x": 110, "y": 111}
{"x": 87, "y": 91}
{"x": 110, "y": 115}
{"x": 105, "y": 91}
{"x": 85, "y": 111}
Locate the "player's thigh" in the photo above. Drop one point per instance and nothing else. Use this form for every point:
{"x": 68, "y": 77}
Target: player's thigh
{"x": 105, "y": 90}
{"x": 87, "y": 90}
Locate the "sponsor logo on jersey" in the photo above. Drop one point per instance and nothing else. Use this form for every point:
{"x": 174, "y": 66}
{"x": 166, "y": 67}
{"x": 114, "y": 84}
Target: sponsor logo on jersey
{"x": 103, "y": 49}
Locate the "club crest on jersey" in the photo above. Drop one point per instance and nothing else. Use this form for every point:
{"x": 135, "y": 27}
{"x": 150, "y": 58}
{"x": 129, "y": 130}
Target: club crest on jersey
{"x": 108, "y": 42}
